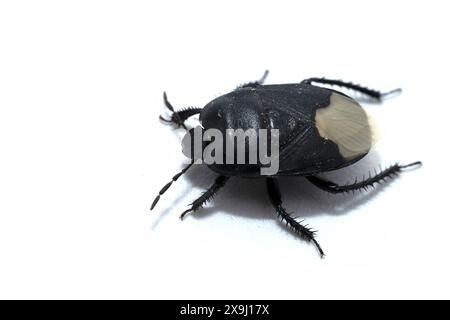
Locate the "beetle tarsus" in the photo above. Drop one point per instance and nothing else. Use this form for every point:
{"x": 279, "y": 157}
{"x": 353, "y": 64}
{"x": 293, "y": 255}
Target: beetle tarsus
{"x": 185, "y": 213}
{"x": 165, "y": 120}
{"x": 175, "y": 116}
{"x": 375, "y": 94}
{"x": 207, "y": 195}
{"x": 179, "y": 117}
{"x": 391, "y": 93}
{"x": 411, "y": 165}
{"x": 305, "y": 233}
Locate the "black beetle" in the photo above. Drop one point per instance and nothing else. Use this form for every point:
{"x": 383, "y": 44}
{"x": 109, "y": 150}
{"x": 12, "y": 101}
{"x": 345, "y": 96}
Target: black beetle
{"x": 320, "y": 129}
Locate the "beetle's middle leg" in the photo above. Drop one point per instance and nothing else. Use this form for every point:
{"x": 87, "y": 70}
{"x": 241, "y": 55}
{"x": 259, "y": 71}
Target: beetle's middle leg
{"x": 366, "y": 183}
{"x": 377, "y": 95}
{"x": 207, "y": 195}
{"x": 275, "y": 198}
{"x": 179, "y": 117}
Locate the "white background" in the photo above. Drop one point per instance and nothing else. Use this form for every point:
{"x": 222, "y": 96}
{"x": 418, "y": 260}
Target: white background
{"x": 83, "y": 153}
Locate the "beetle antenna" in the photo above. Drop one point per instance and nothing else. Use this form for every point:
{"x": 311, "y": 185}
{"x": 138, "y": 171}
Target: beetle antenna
{"x": 167, "y": 186}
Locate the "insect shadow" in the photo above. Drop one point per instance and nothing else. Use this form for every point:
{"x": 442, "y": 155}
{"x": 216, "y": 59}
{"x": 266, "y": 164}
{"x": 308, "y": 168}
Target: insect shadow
{"x": 250, "y": 199}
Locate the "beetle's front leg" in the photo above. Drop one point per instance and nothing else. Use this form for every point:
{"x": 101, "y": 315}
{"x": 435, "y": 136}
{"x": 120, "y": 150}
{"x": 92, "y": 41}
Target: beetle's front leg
{"x": 179, "y": 117}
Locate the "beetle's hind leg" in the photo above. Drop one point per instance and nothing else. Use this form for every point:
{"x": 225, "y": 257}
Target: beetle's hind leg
{"x": 179, "y": 117}
{"x": 303, "y": 230}
{"x": 207, "y": 195}
{"x": 375, "y": 94}
{"x": 257, "y": 83}
{"x": 332, "y": 187}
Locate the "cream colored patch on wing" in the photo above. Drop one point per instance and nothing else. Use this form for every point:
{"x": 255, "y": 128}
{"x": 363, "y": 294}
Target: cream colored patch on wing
{"x": 345, "y": 123}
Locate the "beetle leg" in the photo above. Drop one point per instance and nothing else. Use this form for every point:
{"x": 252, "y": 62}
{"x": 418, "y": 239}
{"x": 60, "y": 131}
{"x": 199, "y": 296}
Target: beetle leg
{"x": 255, "y": 84}
{"x": 304, "y": 232}
{"x": 369, "y": 182}
{"x": 178, "y": 117}
{"x": 368, "y": 92}
{"x": 207, "y": 195}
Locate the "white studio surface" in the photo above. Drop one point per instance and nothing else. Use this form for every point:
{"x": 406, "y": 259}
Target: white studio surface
{"x": 83, "y": 153}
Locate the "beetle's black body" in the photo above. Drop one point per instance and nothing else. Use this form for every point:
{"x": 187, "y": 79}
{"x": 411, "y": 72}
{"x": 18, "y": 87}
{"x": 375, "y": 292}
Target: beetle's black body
{"x": 290, "y": 108}
{"x": 320, "y": 129}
